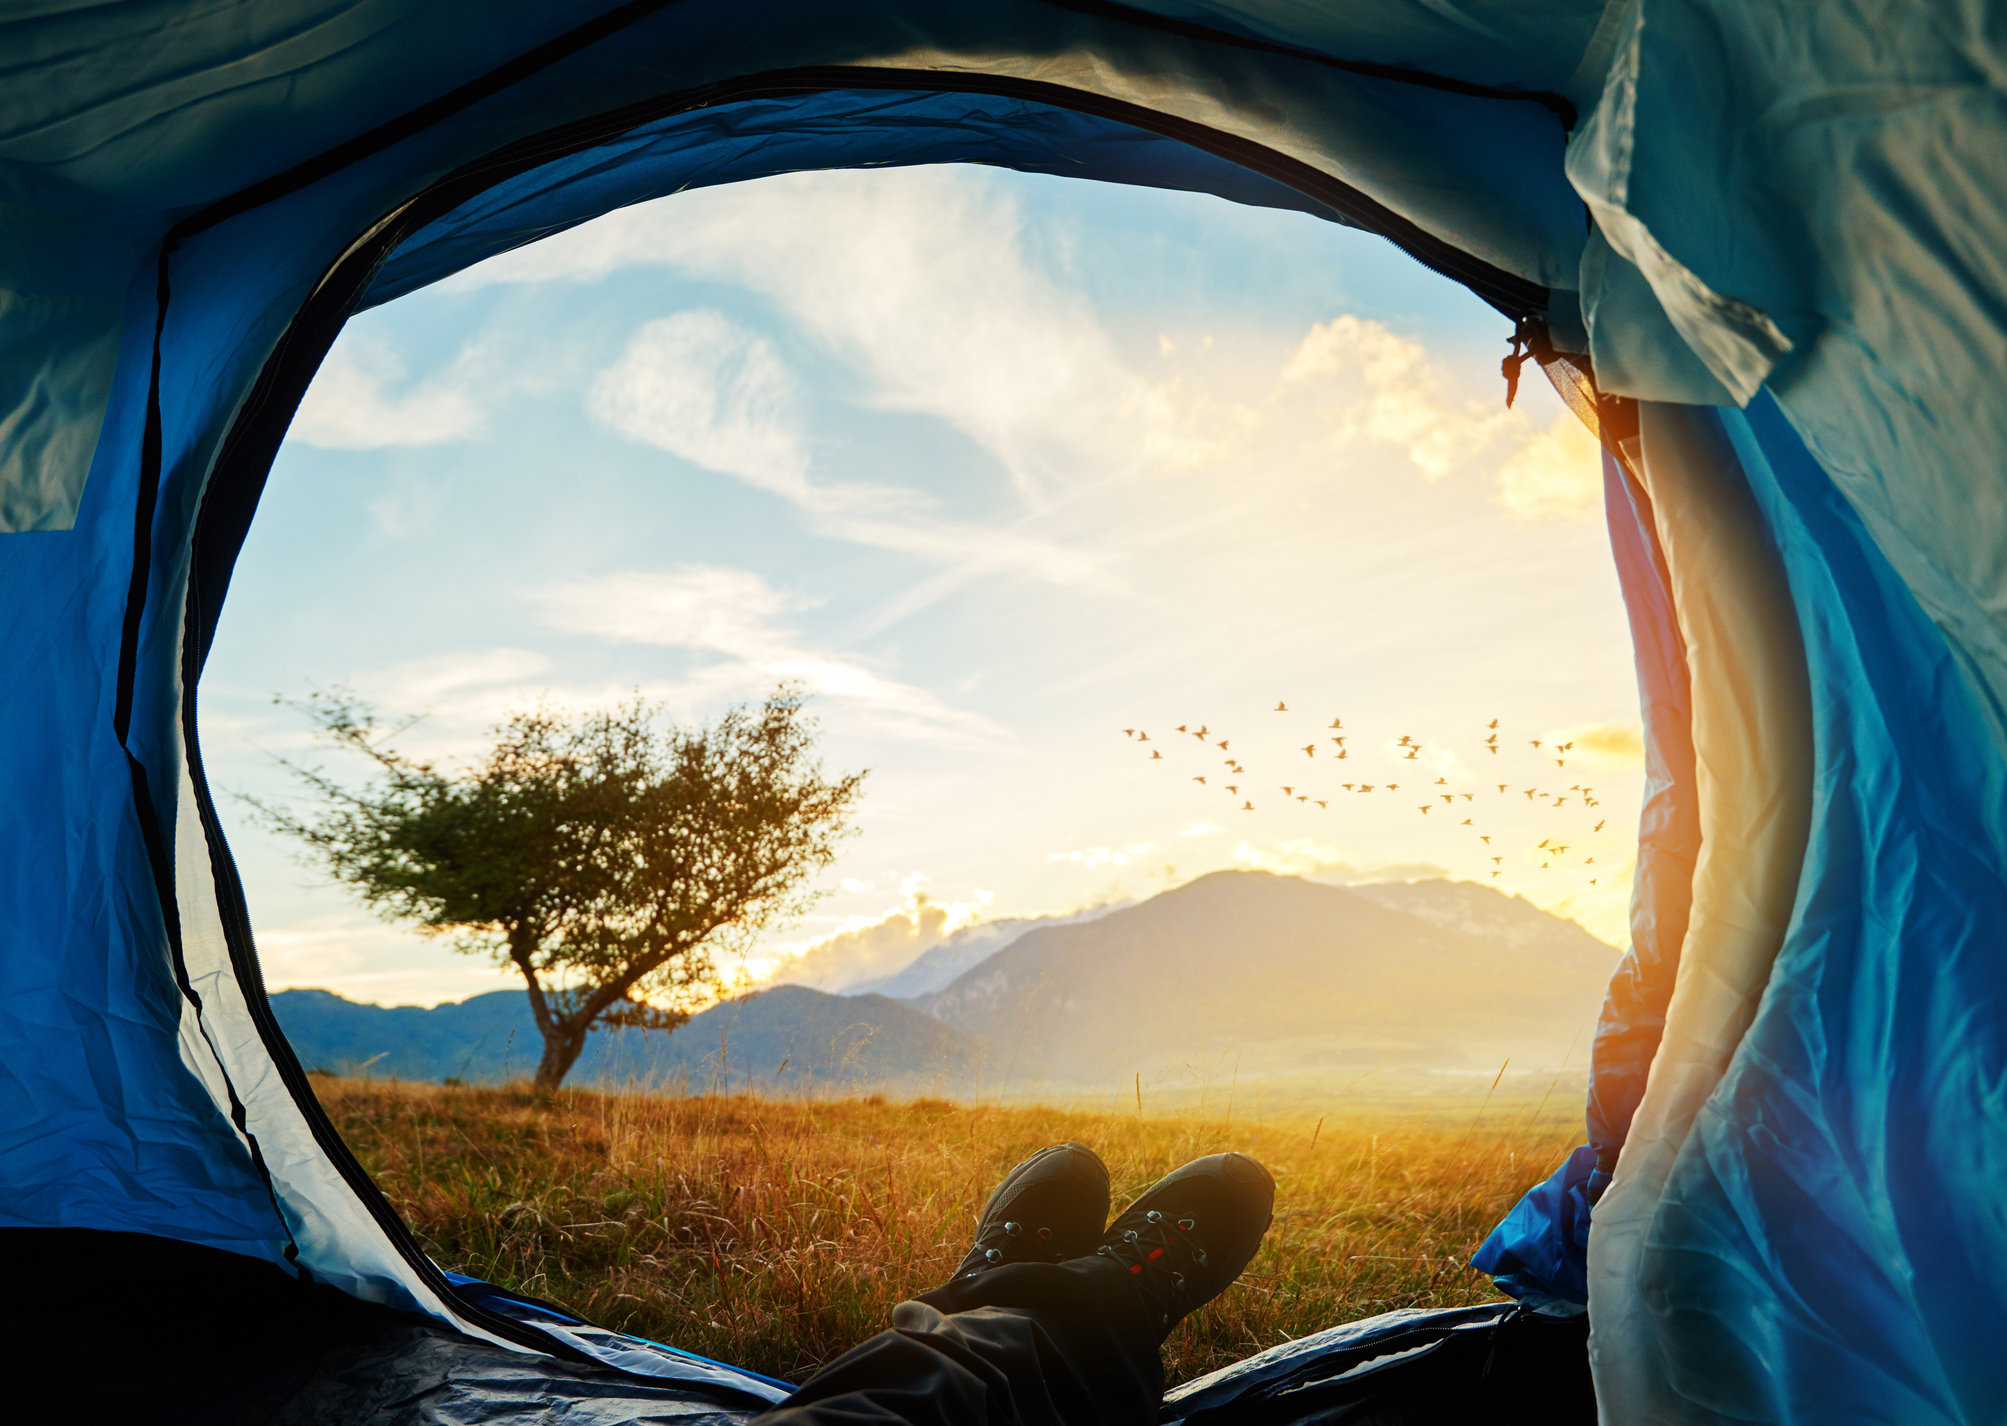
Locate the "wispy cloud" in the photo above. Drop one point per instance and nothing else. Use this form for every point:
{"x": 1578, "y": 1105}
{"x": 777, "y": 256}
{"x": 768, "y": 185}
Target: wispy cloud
{"x": 1095, "y": 857}
{"x": 353, "y": 403}
{"x": 1302, "y": 856}
{"x": 919, "y": 277}
{"x": 707, "y": 391}
{"x": 738, "y": 617}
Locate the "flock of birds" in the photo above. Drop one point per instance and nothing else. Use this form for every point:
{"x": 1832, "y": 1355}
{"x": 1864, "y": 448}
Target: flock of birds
{"x": 1238, "y": 783}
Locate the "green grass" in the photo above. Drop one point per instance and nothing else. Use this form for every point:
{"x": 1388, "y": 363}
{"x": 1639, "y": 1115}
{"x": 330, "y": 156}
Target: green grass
{"x": 776, "y": 1233}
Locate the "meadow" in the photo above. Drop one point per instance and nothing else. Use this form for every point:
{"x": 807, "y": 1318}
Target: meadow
{"x": 775, "y": 1233}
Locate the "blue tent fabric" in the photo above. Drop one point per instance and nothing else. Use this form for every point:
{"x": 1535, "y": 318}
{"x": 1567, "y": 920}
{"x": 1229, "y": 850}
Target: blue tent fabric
{"x": 1539, "y": 1253}
{"x": 1864, "y": 1111}
{"x": 1798, "y": 217}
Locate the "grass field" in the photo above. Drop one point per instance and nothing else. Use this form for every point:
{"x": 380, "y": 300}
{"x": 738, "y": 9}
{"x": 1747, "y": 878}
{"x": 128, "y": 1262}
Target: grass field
{"x": 776, "y": 1233}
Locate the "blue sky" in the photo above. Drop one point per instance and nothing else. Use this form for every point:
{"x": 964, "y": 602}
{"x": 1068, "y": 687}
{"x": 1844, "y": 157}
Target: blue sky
{"x": 998, "y": 466}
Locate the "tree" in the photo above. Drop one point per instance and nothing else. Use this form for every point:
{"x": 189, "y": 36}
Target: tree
{"x": 613, "y": 858}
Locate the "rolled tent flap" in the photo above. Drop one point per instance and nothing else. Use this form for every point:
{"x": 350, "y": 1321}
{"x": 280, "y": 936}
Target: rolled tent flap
{"x": 1798, "y": 1079}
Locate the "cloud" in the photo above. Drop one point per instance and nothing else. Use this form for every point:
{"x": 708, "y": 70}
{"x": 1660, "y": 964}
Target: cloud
{"x": 1613, "y": 744}
{"x": 703, "y": 389}
{"x": 708, "y": 391}
{"x": 737, "y": 616}
{"x": 1558, "y": 475}
{"x": 1093, "y": 857}
{"x": 1201, "y": 829}
{"x": 1403, "y": 403}
{"x": 919, "y": 278}
{"x": 349, "y": 407}
{"x": 867, "y": 947}
{"x": 1320, "y": 862}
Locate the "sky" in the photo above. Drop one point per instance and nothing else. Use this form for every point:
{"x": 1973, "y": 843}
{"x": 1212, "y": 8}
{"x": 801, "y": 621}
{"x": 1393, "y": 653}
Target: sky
{"x": 1006, "y": 471}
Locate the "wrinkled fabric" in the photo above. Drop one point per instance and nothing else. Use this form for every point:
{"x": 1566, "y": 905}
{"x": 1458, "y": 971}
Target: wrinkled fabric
{"x": 1028, "y": 1344}
{"x": 1540, "y": 1252}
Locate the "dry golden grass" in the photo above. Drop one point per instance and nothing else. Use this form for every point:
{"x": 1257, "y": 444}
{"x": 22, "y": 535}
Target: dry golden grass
{"x": 775, "y": 1234}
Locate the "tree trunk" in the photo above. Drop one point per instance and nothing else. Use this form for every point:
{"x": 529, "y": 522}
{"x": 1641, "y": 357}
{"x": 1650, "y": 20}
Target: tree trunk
{"x": 562, "y": 1046}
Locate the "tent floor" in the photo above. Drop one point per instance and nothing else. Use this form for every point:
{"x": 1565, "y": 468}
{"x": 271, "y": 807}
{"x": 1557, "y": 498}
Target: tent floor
{"x": 121, "y": 1327}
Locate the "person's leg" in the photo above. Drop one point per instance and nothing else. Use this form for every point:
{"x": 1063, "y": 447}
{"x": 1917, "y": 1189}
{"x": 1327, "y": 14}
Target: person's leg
{"x": 1039, "y": 1343}
{"x": 1070, "y": 1344}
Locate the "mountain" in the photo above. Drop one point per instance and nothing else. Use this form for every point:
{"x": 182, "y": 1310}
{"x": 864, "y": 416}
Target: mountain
{"x": 1271, "y": 974}
{"x": 961, "y": 952}
{"x": 1479, "y": 911}
{"x": 785, "y": 1037}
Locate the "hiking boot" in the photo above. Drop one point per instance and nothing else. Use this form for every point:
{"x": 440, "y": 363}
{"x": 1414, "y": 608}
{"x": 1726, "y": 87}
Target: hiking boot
{"x": 1048, "y": 1209}
{"x": 1188, "y": 1238}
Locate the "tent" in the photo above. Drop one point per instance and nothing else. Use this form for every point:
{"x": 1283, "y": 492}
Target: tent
{"x": 1758, "y": 245}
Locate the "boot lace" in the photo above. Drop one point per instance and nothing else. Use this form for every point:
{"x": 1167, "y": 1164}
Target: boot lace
{"x": 1158, "y": 1252}
{"x": 1007, "y": 1242}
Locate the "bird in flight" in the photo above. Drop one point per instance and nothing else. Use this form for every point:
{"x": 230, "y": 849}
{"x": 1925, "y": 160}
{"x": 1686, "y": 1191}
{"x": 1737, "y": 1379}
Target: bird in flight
{"x": 1425, "y": 809}
{"x": 1494, "y": 873}
{"x": 1590, "y": 862}
{"x": 1232, "y": 788}
{"x": 1154, "y": 754}
{"x": 1247, "y": 807}
{"x": 1542, "y": 844}
{"x": 1128, "y": 732}
{"x": 1198, "y": 779}
{"x": 1339, "y": 741}
{"x": 1322, "y": 803}
{"x": 1302, "y": 797}
{"x": 1529, "y": 793}
{"x": 1142, "y": 737}
{"x": 1496, "y": 860}
{"x": 1346, "y": 785}
{"x": 1343, "y": 754}
{"x": 1560, "y": 762}
{"x": 1560, "y": 851}
{"x": 1492, "y": 724}
{"x": 1442, "y": 782}
{"x": 1280, "y": 706}
{"x": 1223, "y": 744}
{"x": 1183, "y": 729}
{"x": 1204, "y": 731}
{"x": 1393, "y": 787}
{"x": 1536, "y": 742}
{"x": 1412, "y": 751}
{"x": 1566, "y": 746}
{"x": 1447, "y": 796}
{"x": 1599, "y": 826}
{"x": 1310, "y": 750}
{"x": 1465, "y": 822}
{"x": 1501, "y": 787}
{"x": 1485, "y": 840}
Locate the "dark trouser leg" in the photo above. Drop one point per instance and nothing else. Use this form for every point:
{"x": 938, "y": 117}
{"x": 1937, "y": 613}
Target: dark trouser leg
{"x": 1030, "y": 1344}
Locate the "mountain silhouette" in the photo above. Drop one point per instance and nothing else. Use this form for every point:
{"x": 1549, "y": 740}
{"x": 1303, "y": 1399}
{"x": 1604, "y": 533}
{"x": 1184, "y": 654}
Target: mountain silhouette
{"x": 787, "y": 1037}
{"x": 1274, "y": 974}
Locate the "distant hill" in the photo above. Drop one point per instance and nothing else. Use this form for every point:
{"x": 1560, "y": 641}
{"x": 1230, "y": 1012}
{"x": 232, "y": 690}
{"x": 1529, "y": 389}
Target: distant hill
{"x": 962, "y": 951}
{"x": 1280, "y": 974}
{"x": 786, "y": 1037}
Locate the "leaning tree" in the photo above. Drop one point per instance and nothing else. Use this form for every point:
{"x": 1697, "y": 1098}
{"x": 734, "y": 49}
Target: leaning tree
{"x": 615, "y": 858}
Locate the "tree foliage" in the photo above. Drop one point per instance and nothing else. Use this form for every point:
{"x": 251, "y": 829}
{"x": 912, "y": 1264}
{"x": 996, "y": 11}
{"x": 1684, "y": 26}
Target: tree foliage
{"x": 614, "y": 858}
